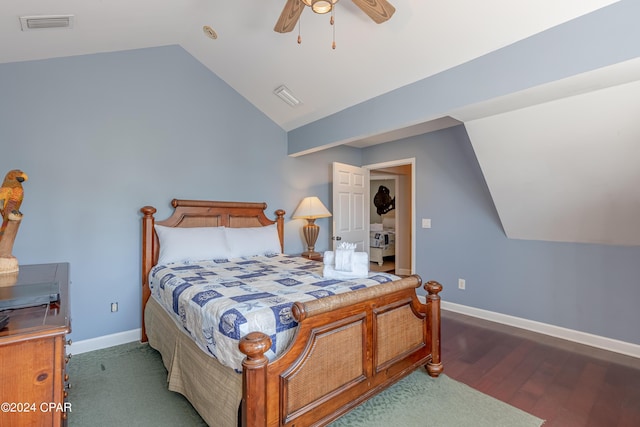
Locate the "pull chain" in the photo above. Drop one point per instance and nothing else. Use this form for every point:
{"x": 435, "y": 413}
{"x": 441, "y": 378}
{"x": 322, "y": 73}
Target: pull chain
{"x": 332, "y": 21}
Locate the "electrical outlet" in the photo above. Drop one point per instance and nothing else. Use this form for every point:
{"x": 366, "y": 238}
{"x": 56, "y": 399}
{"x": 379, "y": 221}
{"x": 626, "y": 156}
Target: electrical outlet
{"x": 426, "y": 223}
{"x": 114, "y": 307}
{"x": 462, "y": 284}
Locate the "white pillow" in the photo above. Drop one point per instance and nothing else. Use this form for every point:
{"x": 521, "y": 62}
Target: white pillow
{"x": 191, "y": 244}
{"x": 252, "y": 241}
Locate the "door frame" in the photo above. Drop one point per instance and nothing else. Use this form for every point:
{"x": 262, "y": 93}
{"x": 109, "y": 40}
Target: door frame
{"x": 402, "y": 162}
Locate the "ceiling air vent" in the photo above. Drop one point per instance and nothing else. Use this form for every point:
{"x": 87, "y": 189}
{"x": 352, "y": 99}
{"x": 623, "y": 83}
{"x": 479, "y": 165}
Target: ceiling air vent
{"x": 42, "y": 22}
{"x": 286, "y": 95}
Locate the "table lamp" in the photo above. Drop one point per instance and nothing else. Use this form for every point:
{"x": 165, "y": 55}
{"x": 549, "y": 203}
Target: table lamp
{"x": 311, "y": 208}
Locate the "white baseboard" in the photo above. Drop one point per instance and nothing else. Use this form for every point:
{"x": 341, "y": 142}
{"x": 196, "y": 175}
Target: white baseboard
{"x": 78, "y": 347}
{"x": 597, "y": 341}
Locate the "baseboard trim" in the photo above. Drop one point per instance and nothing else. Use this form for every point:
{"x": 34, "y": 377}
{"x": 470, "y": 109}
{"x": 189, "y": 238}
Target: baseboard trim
{"x": 105, "y": 341}
{"x": 597, "y": 341}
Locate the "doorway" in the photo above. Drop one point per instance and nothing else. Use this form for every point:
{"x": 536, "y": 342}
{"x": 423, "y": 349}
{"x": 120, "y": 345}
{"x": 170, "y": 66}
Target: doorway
{"x": 382, "y": 218}
{"x": 352, "y": 199}
{"x": 399, "y": 258}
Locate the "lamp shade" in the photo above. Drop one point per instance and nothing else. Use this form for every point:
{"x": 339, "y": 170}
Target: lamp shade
{"x": 311, "y": 208}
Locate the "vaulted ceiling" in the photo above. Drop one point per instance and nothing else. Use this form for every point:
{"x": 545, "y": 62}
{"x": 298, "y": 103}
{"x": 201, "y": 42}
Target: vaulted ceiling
{"x": 422, "y": 38}
{"x": 559, "y": 159}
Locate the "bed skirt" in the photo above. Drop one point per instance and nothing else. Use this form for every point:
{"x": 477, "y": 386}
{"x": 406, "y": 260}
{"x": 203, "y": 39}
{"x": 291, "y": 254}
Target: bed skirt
{"x": 192, "y": 372}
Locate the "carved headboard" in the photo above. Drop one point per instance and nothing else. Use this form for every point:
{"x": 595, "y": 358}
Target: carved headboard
{"x": 200, "y": 213}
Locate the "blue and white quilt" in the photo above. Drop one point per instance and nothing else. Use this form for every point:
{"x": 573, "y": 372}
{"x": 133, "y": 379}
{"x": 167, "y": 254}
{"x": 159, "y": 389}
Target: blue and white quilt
{"x": 218, "y": 302}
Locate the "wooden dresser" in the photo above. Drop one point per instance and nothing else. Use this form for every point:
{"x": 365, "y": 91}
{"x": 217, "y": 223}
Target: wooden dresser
{"x": 33, "y": 358}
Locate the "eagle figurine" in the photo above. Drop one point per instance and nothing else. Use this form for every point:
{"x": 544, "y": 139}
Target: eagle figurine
{"x": 383, "y": 201}
{"x": 11, "y": 195}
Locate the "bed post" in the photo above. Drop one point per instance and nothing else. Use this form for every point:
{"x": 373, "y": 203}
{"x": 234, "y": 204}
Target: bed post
{"x": 147, "y": 259}
{"x": 254, "y": 379}
{"x": 434, "y": 367}
{"x": 280, "y": 221}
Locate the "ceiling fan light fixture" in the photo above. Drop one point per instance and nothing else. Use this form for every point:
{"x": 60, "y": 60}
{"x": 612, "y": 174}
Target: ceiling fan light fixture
{"x": 320, "y": 6}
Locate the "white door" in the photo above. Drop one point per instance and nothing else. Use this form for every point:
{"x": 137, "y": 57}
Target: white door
{"x": 351, "y": 206}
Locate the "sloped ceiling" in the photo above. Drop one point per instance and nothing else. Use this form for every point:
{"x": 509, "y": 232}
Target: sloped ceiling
{"x": 565, "y": 169}
{"x": 558, "y": 159}
{"x": 423, "y": 37}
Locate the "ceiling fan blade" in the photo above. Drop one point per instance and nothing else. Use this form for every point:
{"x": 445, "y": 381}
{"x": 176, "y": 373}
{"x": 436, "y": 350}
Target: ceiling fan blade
{"x": 289, "y": 16}
{"x": 378, "y": 10}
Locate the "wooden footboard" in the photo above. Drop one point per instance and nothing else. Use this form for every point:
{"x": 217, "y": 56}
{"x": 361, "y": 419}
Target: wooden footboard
{"x": 348, "y": 348}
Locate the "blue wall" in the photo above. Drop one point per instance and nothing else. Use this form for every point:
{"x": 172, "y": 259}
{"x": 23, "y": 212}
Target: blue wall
{"x": 103, "y": 135}
{"x": 589, "y": 288}
{"x": 100, "y": 136}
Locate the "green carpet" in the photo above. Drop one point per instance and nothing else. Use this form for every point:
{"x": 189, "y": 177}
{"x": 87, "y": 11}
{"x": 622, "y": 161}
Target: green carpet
{"x": 126, "y": 386}
{"x": 421, "y": 401}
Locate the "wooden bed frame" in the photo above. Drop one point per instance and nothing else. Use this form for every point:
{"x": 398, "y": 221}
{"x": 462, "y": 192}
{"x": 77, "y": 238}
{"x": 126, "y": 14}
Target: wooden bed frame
{"x": 347, "y": 348}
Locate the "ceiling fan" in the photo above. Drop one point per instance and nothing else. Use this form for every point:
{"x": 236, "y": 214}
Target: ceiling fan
{"x": 378, "y": 10}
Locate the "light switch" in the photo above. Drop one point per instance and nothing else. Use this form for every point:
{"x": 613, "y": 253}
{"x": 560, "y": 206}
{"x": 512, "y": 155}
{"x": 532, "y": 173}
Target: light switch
{"x": 426, "y": 223}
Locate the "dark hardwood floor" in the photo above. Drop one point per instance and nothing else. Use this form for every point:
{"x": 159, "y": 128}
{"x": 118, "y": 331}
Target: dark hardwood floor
{"x": 564, "y": 383}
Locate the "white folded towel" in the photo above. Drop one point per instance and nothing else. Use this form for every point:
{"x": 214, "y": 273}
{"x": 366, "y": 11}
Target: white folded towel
{"x": 328, "y": 257}
{"x": 359, "y": 266}
{"x": 330, "y": 273}
{"x": 343, "y": 259}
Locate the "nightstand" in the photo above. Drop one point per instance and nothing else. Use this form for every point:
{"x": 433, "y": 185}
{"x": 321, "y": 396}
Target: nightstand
{"x": 314, "y": 256}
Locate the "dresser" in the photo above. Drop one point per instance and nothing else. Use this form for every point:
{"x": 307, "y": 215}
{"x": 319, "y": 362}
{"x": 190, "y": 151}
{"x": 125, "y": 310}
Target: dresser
{"x": 33, "y": 354}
